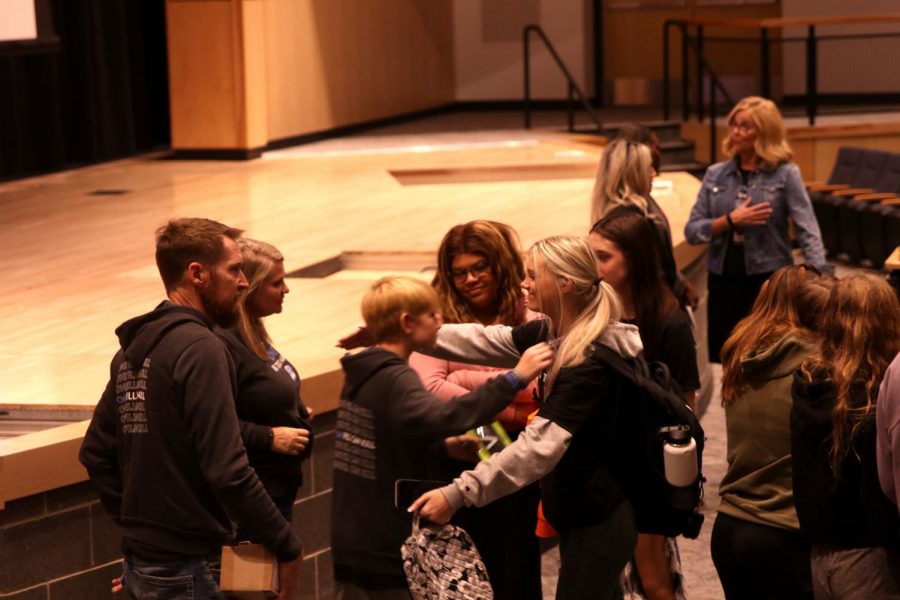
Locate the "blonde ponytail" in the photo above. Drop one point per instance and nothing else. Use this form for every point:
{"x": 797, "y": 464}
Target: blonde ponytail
{"x": 569, "y": 257}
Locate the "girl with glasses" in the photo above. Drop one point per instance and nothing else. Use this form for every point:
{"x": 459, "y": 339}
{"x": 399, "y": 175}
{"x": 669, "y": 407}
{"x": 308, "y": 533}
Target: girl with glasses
{"x": 478, "y": 280}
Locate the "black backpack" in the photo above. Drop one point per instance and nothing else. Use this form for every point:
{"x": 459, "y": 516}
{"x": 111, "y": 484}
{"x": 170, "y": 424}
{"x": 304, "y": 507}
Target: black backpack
{"x": 659, "y": 507}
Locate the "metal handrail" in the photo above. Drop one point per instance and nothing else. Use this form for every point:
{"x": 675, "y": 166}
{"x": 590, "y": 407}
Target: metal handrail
{"x": 764, "y": 40}
{"x": 688, "y": 43}
{"x": 572, "y": 86}
{"x": 702, "y": 66}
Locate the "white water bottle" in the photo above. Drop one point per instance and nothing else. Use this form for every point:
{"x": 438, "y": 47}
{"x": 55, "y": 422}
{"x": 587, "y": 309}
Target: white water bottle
{"x": 680, "y": 457}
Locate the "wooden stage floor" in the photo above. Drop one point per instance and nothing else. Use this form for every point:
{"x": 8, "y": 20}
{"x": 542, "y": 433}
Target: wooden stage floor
{"x": 78, "y": 246}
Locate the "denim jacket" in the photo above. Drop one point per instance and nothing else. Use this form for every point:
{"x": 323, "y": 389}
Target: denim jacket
{"x": 766, "y": 247}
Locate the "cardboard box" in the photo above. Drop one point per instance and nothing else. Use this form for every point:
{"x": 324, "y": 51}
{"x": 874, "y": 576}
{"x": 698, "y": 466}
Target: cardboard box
{"x": 249, "y": 572}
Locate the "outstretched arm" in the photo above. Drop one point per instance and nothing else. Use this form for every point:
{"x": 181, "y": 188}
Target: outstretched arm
{"x": 495, "y": 346}
{"x": 534, "y": 454}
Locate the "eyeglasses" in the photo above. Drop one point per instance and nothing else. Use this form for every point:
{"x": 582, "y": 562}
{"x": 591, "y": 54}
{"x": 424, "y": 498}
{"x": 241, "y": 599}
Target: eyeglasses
{"x": 742, "y": 127}
{"x": 477, "y": 271}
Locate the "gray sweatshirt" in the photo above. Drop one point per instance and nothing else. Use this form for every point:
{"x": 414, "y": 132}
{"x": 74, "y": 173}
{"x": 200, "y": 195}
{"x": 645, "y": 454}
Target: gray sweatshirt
{"x": 541, "y": 446}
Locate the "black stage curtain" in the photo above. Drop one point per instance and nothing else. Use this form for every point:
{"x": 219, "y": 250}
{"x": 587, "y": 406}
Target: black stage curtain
{"x": 97, "y": 90}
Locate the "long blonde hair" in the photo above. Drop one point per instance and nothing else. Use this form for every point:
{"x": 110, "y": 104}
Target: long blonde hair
{"x": 771, "y": 146}
{"x": 623, "y": 178}
{"x": 569, "y": 257}
{"x": 259, "y": 260}
{"x": 860, "y": 330}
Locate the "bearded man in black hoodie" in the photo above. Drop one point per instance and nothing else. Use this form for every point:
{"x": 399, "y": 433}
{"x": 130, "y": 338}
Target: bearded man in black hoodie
{"x": 164, "y": 449}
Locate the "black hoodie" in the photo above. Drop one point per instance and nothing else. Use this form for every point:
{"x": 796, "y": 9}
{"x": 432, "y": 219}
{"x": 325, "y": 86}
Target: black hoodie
{"x": 848, "y": 510}
{"x": 164, "y": 449}
{"x": 386, "y": 422}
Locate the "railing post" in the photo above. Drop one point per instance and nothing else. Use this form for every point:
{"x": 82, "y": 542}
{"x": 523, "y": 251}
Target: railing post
{"x": 712, "y": 122}
{"x": 700, "y": 72}
{"x": 569, "y": 109}
{"x": 764, "y": 86}
{"x": 811, "y": 68}
{"x": 573, "y": 86}
{"x": 665, "y": 90}
{"x": 526, "y": 76}
{"x": 685, "y": 101}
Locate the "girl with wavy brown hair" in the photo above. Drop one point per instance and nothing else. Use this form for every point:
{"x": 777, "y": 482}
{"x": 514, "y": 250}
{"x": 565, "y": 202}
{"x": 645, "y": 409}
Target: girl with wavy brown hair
{"x": 833, "y": 441}
{"x": 756, "y": 529}
{"x": 478, "y": 281}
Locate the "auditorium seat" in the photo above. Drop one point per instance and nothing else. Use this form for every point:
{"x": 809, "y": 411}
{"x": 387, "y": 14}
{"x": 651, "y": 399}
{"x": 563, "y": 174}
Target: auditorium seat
{"x": 866, "y": 173}
{"x": 890, "y": 210}
{"x": 876, "y": 242}
{"x": 845, "y": 164}
{"x": 878, "y": 172}
{"x": 873, "y": 242}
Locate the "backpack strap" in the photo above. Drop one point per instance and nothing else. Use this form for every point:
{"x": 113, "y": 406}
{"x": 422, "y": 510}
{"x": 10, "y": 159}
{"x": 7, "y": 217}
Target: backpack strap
{"x": 635, "y": 371}
{"x": 610, "y": 357}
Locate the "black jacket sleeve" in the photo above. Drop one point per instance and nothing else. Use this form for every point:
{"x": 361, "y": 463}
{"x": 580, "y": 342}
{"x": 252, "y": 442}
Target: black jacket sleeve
{"x": 207, "y": 375}
{"x": 420, "y": 413}
{"x": 99, "y": 450}
{"x": 254, "y": 436}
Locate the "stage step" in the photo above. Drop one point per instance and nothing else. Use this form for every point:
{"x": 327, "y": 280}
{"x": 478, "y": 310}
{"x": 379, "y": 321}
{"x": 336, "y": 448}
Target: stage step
{"x": 18, "y": 422}
{"x": 666, "y": 131}
{"x": 677, "y": 153}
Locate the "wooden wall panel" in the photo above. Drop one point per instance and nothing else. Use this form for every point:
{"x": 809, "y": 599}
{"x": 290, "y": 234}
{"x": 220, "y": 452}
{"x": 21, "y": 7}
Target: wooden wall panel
{"x": 814, "y": 147}
{"x": 255, "y": 89}
{"x": 633, "y": 37}
{"x": 341, "y": 62}
{"x": 633, "y": 46}
{"x": 203, "y": 85}
{"x": 825, "y": 149}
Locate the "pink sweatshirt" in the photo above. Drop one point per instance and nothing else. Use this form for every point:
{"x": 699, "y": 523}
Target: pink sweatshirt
{"x": 447, "y": 380}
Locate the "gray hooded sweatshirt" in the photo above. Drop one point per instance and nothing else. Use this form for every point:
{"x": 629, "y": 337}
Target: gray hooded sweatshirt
{"x": 574, "y": 444}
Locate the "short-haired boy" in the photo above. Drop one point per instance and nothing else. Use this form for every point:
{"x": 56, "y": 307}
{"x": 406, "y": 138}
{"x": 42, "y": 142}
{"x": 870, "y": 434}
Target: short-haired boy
{"x": 386, "y": 423}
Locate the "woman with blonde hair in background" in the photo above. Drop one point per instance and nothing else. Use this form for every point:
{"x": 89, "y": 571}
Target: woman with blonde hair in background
{"x": 841, "y": 508}
{"x": 756, "y": 530}
{"x": 624, "y": 178}
{"x": 572, "y": 444}
{"x": 623, "y": 183}
{"x": 478, "y": 279}
{"x": 273, "y": 419}
{"x": 742, "y": 212}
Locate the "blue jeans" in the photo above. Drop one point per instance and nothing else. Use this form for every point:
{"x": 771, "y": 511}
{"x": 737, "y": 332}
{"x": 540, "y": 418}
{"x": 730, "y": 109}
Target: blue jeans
{"x": 196, "y": 579}
{"x": 593, "y": 556}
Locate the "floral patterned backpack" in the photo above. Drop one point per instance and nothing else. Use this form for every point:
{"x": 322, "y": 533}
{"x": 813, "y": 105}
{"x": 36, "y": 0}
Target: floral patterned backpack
{"x": 442, "y": 563}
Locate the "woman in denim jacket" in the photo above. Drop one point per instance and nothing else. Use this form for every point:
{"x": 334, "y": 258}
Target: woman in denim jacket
{"x": 742, "y": 212}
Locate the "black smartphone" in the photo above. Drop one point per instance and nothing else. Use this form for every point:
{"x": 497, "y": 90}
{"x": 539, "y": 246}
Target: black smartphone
{"x": 406, "y": 491}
